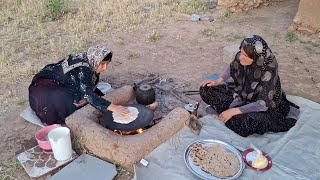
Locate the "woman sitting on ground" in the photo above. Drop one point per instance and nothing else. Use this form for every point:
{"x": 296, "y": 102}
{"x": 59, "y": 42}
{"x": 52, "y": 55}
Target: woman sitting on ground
{"x": 60, "y": 89}
{"x": 253, "y": 101}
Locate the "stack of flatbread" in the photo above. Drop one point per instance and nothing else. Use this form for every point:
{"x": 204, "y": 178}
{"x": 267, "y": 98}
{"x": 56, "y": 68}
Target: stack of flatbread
{"x": 133, "y": 114}
{"x": 215, "y": 160}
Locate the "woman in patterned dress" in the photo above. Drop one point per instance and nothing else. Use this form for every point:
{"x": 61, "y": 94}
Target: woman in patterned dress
{"x": 60, "y": 89}
{"x": 252, "y": 101}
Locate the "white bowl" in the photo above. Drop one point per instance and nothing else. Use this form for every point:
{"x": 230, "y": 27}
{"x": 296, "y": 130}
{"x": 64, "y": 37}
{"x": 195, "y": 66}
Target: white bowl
{"x": 104, "y": 87}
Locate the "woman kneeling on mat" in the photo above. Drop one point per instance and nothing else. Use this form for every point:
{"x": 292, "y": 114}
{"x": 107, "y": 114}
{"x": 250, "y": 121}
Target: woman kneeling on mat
{"x": 60, "y": 89}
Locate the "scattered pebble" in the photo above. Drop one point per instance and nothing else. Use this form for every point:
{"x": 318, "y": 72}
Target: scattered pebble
{"x": 195, "y": 18}
{"x": 147, "y": 10}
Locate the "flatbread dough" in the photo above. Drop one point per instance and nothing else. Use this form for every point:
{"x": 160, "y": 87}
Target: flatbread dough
{"x": 128, "y": 118}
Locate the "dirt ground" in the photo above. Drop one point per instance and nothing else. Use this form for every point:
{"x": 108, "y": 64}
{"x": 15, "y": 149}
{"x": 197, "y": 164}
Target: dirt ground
{"x": 182, "y": 50}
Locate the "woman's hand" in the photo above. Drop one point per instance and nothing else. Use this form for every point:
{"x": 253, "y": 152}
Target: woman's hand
{"x": 228, "y": 114}
{"x": 118, "y": 109}
{"x": 211, "y": 82}
{"x": 81, "y": 103}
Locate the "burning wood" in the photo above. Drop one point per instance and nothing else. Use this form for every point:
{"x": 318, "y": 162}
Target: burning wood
{"x": 138, "y": 131}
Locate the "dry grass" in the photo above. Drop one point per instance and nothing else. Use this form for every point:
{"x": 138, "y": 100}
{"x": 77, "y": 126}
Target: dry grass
{"x": 226, "y": 15}
{"x": 194, "y": 6}
{"x": 209, "y": 32}
{"x": 153, "y": 36}
{"x": 235, "y": 37}
{"x": 8, "y": 169}
{"x": 28, "y": 39}
{"x": 121, "y": 170}
{"x": 10, "y": 100}
{"x": 291, "y": 37}
{"x": 133, "y": 55}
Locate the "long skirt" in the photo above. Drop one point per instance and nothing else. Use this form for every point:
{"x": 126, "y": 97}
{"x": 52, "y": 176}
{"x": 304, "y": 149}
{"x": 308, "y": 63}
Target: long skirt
{"x": 272, "y": 120}
{"x": 50, "y": 101}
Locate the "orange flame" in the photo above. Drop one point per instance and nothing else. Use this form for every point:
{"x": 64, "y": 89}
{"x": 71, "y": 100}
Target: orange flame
{"x": 138, "y": 131}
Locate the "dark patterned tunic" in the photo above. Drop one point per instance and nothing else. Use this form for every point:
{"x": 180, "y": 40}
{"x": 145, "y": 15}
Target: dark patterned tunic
{"x": 259, "y": 122}
{"x": 71, "y": 80}
{"x": 256, "y": 90}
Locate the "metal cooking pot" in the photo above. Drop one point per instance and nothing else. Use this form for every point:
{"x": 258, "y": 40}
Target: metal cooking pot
{"x": 145, "y": 94}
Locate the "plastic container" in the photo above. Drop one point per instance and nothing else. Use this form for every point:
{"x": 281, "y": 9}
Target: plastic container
{"x": 104, "y": 87}
{"x": 42, "y": 136}
{"x": 61, "y": 143}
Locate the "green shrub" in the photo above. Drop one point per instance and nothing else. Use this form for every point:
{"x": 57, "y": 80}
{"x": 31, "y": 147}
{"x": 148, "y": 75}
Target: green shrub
{"x": 291, "y": 37}
{"x": 55, "y": 8}
{"x": 194, "y": 6}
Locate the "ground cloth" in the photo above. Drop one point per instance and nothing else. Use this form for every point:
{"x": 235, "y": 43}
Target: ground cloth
{"x": 295, "y": 154}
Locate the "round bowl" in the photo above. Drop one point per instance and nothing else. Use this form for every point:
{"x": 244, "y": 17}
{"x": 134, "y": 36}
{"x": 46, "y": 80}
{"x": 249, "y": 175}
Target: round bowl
{"x": 104, "y": 87}
{"x": 42, "y": 136}
{"x": 248, "y": 156}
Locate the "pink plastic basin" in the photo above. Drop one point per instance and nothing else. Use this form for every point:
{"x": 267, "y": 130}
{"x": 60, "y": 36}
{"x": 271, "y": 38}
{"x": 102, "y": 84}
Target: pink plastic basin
{"x": 42, "y": 136}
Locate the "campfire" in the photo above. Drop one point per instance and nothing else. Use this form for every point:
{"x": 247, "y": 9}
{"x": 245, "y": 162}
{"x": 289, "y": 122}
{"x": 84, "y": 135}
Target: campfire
{"x": 134, "y": 132}
{"x": 128, "y": 149}
{"x": 154, "y": 92}
{"x": 140, "y": 130}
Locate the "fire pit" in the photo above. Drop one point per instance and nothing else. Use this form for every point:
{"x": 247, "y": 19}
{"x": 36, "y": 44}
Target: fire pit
{"x": 123, "y": 147}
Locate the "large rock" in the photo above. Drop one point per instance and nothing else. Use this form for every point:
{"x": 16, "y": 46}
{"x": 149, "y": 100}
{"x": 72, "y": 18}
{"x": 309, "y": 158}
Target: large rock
{"x": 307, "y": 17}
{"x": 241, "y": 5}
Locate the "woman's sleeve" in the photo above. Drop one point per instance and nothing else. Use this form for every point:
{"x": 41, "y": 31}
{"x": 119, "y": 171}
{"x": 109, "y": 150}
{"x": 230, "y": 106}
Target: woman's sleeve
{"x": 252, "y": 107}
{"x": 226, "y": 73}
{"x": 267, "y": 89}
{"x": 87, "y": 93}
{"x": 98, "y": 92}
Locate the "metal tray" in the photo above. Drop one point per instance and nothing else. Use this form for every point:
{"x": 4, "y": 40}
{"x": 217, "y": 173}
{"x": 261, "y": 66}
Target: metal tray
{"x": 196, "y": 170}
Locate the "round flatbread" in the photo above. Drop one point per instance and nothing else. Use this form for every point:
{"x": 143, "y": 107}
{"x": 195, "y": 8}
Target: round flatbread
{"x": 215, "y": 160}
{"x": 133, "y": 114}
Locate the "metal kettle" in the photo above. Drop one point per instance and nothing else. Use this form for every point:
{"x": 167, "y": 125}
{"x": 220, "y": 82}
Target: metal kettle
{"x": 145, "y": 94}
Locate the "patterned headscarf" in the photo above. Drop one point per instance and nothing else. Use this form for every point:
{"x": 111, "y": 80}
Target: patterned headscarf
{"x": 258, "y": 82}
{"x": 96, "y": 54}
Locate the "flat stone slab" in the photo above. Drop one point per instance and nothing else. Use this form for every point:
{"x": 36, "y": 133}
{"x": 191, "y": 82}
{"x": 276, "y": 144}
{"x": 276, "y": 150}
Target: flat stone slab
{"x": 229, "y": 53}
{"x": 87, "y": 167}
{"x": 38, "y": 162}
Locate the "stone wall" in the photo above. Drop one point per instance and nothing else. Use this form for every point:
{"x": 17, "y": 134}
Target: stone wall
{"x": 307, "y": 19}
{"x": 243, "y": 5}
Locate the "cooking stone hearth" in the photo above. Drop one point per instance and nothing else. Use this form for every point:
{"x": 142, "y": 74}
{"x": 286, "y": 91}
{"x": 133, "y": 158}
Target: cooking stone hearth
{"x": 124, "y": 150}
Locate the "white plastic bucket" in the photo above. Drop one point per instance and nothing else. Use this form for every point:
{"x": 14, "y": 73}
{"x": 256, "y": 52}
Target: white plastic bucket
{"x": 61, "y": 143}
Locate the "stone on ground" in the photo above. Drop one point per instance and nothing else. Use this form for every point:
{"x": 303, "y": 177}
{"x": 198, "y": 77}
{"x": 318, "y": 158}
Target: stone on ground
{"x": 87, "y": 167}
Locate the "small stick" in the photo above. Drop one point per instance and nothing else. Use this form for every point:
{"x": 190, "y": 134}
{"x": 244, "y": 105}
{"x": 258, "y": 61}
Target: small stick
{"x": 146, "y": 79}
{"x": 153, "y": 81}
{"x": 172, "y": 93}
